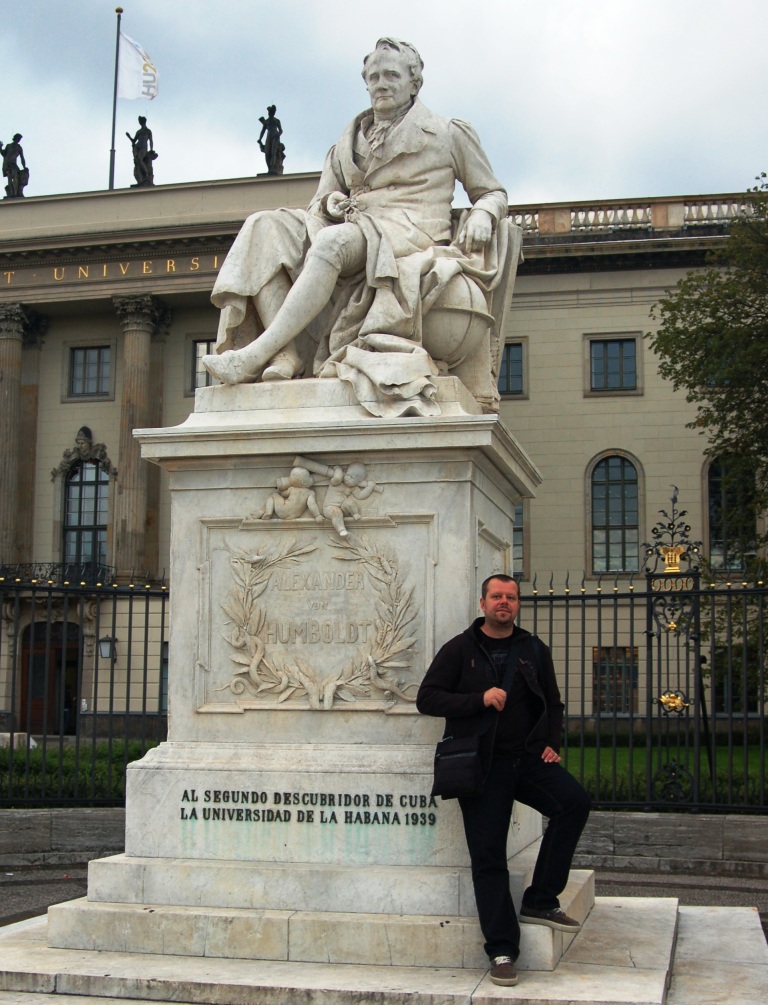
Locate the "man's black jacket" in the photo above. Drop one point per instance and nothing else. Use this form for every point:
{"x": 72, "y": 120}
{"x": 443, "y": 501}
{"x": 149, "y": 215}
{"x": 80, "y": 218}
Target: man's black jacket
{"x": 463, "y": 671}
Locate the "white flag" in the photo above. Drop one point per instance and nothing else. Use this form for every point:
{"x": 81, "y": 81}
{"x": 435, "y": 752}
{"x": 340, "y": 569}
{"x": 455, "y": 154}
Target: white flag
{"x": 136, "y": 73}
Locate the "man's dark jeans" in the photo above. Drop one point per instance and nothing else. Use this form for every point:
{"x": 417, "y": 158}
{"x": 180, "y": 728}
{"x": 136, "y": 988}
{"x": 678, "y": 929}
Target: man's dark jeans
{"x": 557, "y": 795}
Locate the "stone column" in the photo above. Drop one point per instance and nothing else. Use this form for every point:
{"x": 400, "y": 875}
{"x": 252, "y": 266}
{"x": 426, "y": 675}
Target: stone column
{"x": 140, "y": 317}
{"x": 17, "y": 324}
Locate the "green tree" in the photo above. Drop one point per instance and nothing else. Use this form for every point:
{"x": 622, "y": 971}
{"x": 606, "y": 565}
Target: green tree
{"x": 712, "y": 342}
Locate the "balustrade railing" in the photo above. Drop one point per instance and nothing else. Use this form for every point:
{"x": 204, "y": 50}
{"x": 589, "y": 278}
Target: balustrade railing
{"x": 651, "y": 215}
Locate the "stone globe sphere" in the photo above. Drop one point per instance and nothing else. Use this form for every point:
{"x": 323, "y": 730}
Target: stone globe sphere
{"x": 457, "y": 321}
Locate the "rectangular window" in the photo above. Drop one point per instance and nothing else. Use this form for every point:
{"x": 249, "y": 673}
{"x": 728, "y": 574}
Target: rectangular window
{"x": 613, "y": 364}
{"x": 518, "y": 554}
{"x": 164, "y": 680}
{"x": 614, "y": 679}
{"x": 732, "y": 522}
{"x": 511, "y": 370}
{"x": 200, "y": 376}
{"x": 90, "y": 371}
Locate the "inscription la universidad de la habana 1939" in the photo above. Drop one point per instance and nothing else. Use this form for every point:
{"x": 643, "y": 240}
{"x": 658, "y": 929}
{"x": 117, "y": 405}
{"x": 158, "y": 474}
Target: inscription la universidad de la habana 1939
{"x": 253, "y": 806}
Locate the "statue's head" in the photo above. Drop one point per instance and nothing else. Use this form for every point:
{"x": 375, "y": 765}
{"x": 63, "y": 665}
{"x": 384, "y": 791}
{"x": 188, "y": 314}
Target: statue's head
{"x": 142, "y": 120}
{"x": 83, "y": 441}
{"x": 409, "y": 54}
{"x": 17, "y": 137}
{"x": 355, "y": 474}
{"x": 272, "y": 109}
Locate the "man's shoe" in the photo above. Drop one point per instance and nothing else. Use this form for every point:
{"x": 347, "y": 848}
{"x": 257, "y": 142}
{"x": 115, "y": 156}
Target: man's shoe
{"x": 503, "y": 971}
{"x": 553, "y": 918}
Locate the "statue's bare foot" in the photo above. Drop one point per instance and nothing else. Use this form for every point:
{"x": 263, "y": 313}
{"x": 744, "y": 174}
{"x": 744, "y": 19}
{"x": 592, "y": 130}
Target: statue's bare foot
{"x": 230, "y": 368}
{"x": 284, "y": 365}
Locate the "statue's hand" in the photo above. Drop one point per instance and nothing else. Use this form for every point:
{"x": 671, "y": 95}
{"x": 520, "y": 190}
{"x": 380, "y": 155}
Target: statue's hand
{"x": 337, "y": 205}
{"x": 477, "y": 231}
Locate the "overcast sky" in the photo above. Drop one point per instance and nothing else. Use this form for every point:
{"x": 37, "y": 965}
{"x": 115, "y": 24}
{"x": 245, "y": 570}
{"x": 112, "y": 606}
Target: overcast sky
{"x": 573, "y": 99}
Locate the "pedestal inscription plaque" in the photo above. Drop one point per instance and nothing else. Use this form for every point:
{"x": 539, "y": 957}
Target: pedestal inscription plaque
{"x": 293, "y": 615}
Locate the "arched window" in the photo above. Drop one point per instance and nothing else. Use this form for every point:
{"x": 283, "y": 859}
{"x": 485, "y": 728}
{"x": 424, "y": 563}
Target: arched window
{"x": 86, "y": 509}
{"x": 615, "y": 527}
{"x": 730, "y": 507}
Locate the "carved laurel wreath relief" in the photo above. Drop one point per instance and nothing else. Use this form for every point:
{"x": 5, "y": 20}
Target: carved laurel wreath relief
{"x": 379, "y": 668}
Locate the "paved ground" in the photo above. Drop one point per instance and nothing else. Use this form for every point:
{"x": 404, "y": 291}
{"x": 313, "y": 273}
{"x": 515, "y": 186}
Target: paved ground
{"x": 25, "y": 893}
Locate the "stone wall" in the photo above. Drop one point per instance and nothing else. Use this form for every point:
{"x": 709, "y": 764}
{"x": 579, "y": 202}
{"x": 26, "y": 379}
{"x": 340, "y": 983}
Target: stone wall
{"x": 680, "y": 843}
{"x": 675, "y": 843}
{"x": 59, "y": 837}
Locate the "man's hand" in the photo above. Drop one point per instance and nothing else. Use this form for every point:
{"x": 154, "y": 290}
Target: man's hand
{"x": 551, "y": 756}
{"x": 477, "y": 231}
{"x": 494, "y": 697}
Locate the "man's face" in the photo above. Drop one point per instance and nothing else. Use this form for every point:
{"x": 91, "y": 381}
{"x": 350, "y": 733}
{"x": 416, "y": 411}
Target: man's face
{"x": 500, "y": 605}
{"x": 389, "y": 81}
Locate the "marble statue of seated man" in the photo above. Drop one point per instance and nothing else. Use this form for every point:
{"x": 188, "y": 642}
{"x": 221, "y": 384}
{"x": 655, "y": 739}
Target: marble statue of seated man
{"x": 343, "y": 287}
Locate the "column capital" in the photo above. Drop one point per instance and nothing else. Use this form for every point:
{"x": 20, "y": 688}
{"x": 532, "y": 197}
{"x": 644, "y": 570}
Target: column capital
{"x": 19, "y": 322}
{"x": 142, "y": 312}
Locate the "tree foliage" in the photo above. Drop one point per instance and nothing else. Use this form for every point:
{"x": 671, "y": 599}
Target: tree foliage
{"x": 712, "y": 342}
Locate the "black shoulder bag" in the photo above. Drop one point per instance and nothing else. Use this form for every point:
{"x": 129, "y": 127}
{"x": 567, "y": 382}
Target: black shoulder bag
{"x": 458, "y": 760}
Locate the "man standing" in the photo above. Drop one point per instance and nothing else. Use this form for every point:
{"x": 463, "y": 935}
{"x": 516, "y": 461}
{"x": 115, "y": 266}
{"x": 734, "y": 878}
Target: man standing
{"x": 521, "y": 761}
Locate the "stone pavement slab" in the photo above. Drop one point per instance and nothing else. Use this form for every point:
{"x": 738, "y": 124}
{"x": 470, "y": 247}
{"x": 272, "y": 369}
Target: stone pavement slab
{"x": 719, "y": 959}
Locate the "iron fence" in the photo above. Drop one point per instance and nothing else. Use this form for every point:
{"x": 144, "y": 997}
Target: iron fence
{"x": 664, "y": 682}
{"x": 83, "y": 687}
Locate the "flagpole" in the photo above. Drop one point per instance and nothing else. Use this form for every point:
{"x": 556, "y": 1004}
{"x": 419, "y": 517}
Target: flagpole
{"x": 119, "y": 12}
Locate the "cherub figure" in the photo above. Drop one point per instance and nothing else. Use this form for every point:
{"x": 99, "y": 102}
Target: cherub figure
{"x": 344, "y": 492}
{"x": 293, "y": 498}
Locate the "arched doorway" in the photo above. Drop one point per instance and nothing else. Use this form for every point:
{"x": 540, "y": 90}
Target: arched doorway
{"x": 50, "y": 686}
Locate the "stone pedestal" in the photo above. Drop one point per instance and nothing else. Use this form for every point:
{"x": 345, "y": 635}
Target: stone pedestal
{"x": 320, "y": 557}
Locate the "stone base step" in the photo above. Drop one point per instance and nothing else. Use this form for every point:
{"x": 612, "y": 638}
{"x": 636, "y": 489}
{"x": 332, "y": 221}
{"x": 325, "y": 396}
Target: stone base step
{"x": 304, "y": 936}
{"x": 626, "y": 954}
{"x": 299, "y": 886}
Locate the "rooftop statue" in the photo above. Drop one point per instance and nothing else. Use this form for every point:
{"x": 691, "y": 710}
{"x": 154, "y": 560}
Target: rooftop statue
{"x": 272, "y": 148}
{"x": 376, "y": 282}
{"x": 18, "y": 177}
{"x": 144, "y": 154}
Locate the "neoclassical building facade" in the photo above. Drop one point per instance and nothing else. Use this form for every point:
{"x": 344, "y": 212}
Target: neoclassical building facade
{"x": 105, "y": 314}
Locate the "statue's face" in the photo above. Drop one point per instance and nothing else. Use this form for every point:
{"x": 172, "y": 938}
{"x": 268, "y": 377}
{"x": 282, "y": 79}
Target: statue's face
{"x": 389, "y": 81}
